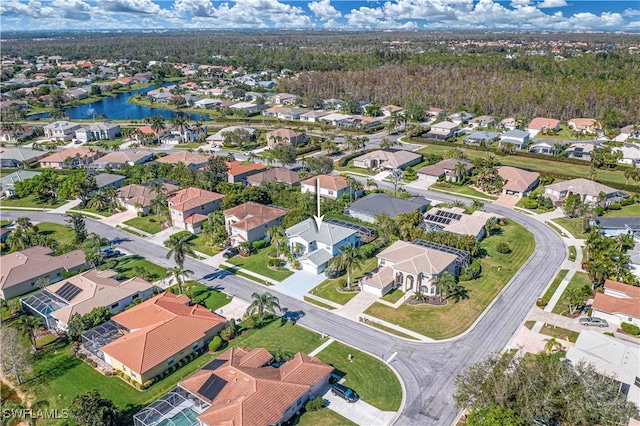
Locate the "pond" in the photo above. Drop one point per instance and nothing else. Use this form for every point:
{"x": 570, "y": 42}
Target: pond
{"x": 117, "y": 107}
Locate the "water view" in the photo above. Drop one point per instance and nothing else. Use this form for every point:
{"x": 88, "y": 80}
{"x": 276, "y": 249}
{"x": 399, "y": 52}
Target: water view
{"x": 117, "y": 108}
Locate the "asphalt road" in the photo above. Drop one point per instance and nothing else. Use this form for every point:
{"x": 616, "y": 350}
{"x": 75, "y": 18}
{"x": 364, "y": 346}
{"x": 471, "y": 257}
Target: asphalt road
{"x": 426, "y": 369}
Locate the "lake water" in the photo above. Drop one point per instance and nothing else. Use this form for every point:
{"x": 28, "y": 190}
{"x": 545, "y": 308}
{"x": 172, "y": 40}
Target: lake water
{"x": 117, "y": 108}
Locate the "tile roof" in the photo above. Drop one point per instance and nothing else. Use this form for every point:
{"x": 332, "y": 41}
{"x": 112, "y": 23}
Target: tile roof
{"x": 159, "y": 328}
{"x": 141, "y": 194}
{"x": 238, "y": 167}
{"x": 585, "y": 123}
{"x": 124, "y": 157}
{"x": 516, "y": 179}
{"x": 186, "y": 158}
{"x": 467, "y": 224}
{"x": 445, "y": 167}
{"x": 250, "y": 215}
{"x": 540, "y": 123}
{"x": 243, "y": 390}
{"x": 189, "y": 198}
{"x": 377, "y": 203}
{"x": 22, "y": 154}
{"x": 417, "y": 259}
{"x": 583, "y": 187}
{"x": 390, "y": 158}
{"x": 278, "y": 174}
{"x": 335, "y": 183}
{"x": 380, "y": 277}
{"x": 283, "y": 133}
{"x": 61, "y": 157}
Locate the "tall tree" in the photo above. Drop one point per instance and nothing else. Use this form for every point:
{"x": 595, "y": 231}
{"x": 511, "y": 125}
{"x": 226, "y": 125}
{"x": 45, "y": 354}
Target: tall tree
{"x": 91, "y": 409}
{"x": 29, "y": 325}
{"x": 180, "y": 274}
{"x": 179, "y": 248}
{"x": 79, "y": 226}
{"x": 349, "y": 258}
{"x": 15, "y": 357}
{"x": 263, "y": 304}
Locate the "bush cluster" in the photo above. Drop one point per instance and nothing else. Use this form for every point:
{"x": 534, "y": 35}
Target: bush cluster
{"x": 629, "y": 328}
{"x": 314, "y": 404}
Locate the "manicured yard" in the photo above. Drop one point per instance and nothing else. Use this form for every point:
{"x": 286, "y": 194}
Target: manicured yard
{"x": 327, "y": 288}
{"x": 572, "y": 253}
{"x": 554, "y": 285}
{"x": 105, "y": 213}
{"x": 4, "y": 223}
{"x": 258, "y": 263}
{"x": 191, "y": 145}
{"x": 559, "y": 333}
{"x": 372, "y": 380}
{"x": 205, "y": 296}
{"x": 200, "y": 244}
{"x": 126, "y": 267}
{"x": 579, "y": 280}
{"x": 357, "y": 170}
{"x": 626, "y": 211}
{"x": 388, "y": 330}
{"x": 324, "y": 417}
{"x": 318, "y": 303}
{"x": 62, "y": 234}
{"x": 574, "y": 226}
{"x": 462, "y": 190}
{"x": 280, "y": 335}
{"x": 106, "y": 144}
{"x": 149, "y": 224}
{"x": 394, "y": 295}
{"x": 453, "y": 319}
{"x": 31, "y": 201}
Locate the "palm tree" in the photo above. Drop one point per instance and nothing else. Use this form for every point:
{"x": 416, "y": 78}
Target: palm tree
{"x": 180, "y": 274}
{"x": 180, "y": 122}
{"x": 349, "y": 258}
{"x": 491, "y": 225}
{"x": 157, "y": 123}
{"x": 179, "y": 248}
{"x": 262, "y": 304}
{"x": 396, "y": 177}
{"x": 552, "y": 346}
{"x": 387, "y": 143}
{"x": 477, "y": 205}
{"x": 29, "y": 325}
{"x": 371, "y": 183}
{"x": 277, "y": 235}
{"x": 100, "y": 201}
{"x": 460, "y": 169}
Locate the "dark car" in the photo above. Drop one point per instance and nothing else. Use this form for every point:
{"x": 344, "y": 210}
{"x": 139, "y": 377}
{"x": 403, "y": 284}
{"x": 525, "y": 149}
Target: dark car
{"x": 230, "y": 252}
{"x": 109, "y": 252}
{"x": 344, "y": 392}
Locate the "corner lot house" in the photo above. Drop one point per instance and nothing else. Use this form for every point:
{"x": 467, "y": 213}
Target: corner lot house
{"x": 116, "y": 160}
{"x": 368, "y": 207}
{"x": 315, "y": 247}
{"x": 278, "y": 174}
{"x": 20, "y": 270}
{"x": 332, "y": 187}
{"x": 239, "y": 172}
{"x": 189, "y": 207}
{"x": 442, "y": 131}
{"x": 619, "y": 303}
{"x": 411, "y": 267}
{"x": 542, "y": 124}
{"x": 451, "y": 169}
{"x": 137, "y": 197}
{"x": 81, "y": 293}
{"x": 98, "y": 131}
{"x": 20, "y": 157}
{"x": 250, "y": 221}
{"x": 158, "y": 333}
{"x": 518, "y": 181}
{"x": 516, "y": 137}
{"x": 242, "y": 387}
{"x": 191, "y": 160}
{"x": 387, "y": 159}
{"x": 61, "y": 130}
{"x": 588, "y": 190}
{"x": 70, "y": 158}
{"x": 455, "y": 220}
{"x": 284, "y": 137}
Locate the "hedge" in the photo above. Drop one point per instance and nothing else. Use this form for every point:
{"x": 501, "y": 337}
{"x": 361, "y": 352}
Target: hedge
{"x": 629, "y": 328}
{"x": 345, "y": 160}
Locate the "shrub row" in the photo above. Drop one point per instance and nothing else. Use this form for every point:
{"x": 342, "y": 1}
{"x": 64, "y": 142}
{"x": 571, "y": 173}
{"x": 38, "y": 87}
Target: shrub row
{"x": 629, "y": 328}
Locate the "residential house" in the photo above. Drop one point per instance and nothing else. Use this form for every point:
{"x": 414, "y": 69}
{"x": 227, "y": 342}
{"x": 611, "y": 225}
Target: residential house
{"x": 613, "y": 226}
{"x": 448, "y": 170}
{"x": 543, "y": 146}
{"x": 147, "y": 134}
{"x": 16, "y": 135}
{"x": 456, "y": 221}
{"x": 7, "y": 182}
{"x": 588, "y": 190}
{"x": 116, "y": 160}
{"x": 190, "y": 207}
{"x": 98, "y": 131}
{"x": 314, "y": 247}
{"x": 481, "y": 138}
{"x": 159, "y": 333}
{"x": 61, "y": 130}
{"x": 459, "y": 118}
{"x": 138, "y": 197}
{"x": 630, "y": 132}
{"x": 518, "y": 138}
{"x": 219, "y": 138}
{"x": 81, "y": 294}
{"x": 106, "y": 180}
{"x": 313, "y": 116}
{"x": 284, "y": 137}
{"x": 239, "y": 171}
{"x": 279, "y": 174}
{"x": 482, "y": 121}
{"x": 290, "y": 114}
{"x": 509, "y": 123}
{"x": 331, "y": 187}
{"x": 411, "y": 267}
{"x": 335, "y": 119}
{"x": 284, "y": 99}
{"x": 436, "y": 112}
{"x": 243, "y": 387}
{"x": 585, "y": 125}
{"x": 70, "y": 158}
{"x": 611, "y": 357}
{"x": 20, "y": 157}
{"x": 630, "y": 154}
{"x": 248, "y": 107}
{"x": 542, "y": 124}
{"x": 190, "y": 159}
{"x": 619, "y": 303}
{"x": 332, "y": 104}
{"x": 518, "y": 181}
{"x": 582, "y": 150}
{"x": 387, "y": 159}
{"x": 20, "y": 270}
{"x": 390, "y": 110}
{"x": 368, "y": 207}
{"x": 206, "y": 103}
{"x": 250, "y": 221}
{"x": 362, "y": 121}
{"x": 442, "y": 130}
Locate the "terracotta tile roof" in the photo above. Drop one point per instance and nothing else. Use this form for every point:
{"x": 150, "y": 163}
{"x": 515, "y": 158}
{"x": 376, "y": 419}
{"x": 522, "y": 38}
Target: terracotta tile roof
{"x": 617, "y": 305}
{"x": 283, "y": 133}
{"x": 141, "y": 194}
{"x": 629, "y": 290}
{"x": 250, "y": 215}
{"x": 190, "y": 198}
{"x": 582, "y": 186}
{"x": 159, "y": 328}
{"x": 61, "y": 157}
{"x": 238, "y": 168}
{"x": 241, "y": 394}
{"x": 517, "y": 179}
{"x": 540, "y": 123}
{"x": 585, "y": 123}
{"x": 335, "y": 183}
{"x": 380, "y": 277}
{"x": 186, "y": 158}
{"x": 279, "y": 174}
{"x": 445, "y": 167}
{"x": 124, "y": 157}
{"x": 196, "y": 218}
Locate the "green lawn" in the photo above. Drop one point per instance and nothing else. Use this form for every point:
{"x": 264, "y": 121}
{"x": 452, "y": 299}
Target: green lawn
{"x": 453, "y": 319}
{"x": 200, "y": 244}
{"x": 579, "y": 280}
{"x": 626, "y": 211}
{"x": 324, "y": 417}
{"x": 258, "y": 263}
{"x": 106, "y": 144}
{"x": 554, "y": 285}
{"x": 327, "y": 288}
{"x": 205, "y": 296}
{"x": 394, "y": 295}
{"x": 62, "y": 234}
{"x": 191, "y": 145}
{"x": 566, "y": 134}
{"x": 357, "y": 170}
{"x": 126, "y": 267}
{"x": 574, "y": 225}
{"x": 462, "y": 190}
{"x": 318, "y": 303}
{"x": 388, "y": 330}
{"x": 372, "y": 380}
{"x": 104, "y": 213}
{"x": 572, "y": 253}
{"x": 559, "y": 333}
{"x": 31, "y": 201}
{"x": 4, "y": 223}
{"x": 280, "y": 335}
{"x": 149, "y": 224}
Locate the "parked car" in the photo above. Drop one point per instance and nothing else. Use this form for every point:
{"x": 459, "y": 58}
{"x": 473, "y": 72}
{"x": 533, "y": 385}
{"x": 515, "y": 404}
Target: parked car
{"x": 344, "y": 392}
{"x": 230, "y": 252}
{"x": 597, "y": 322}
{"x": 110, "y": 252}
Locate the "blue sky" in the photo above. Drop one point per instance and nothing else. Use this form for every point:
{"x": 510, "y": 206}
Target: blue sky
{"x": 495, "y": 15}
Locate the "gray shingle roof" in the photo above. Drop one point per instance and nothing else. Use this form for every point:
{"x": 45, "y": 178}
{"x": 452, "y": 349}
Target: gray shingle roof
{"x": 328, "y": 233}
{"x": 384, "y": 203}
{"x": 632, "y": 223}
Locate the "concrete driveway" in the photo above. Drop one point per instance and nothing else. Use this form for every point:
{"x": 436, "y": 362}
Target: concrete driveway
{"x": 358, "y": 412}
{"x": 300, "y": 283}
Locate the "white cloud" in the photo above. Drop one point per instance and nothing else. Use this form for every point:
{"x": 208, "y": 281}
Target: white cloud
{"x": 631, "y": 12}
{"x": 551, "y": 3}
{"x": 197, "y": 8}
{"x": 145, "y": 7}
{"x": 76, "y": 10}
{"x": 324, "y": 10}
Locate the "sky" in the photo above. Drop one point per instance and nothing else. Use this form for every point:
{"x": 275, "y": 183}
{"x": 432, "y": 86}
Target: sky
{"x": 431, "y": 15}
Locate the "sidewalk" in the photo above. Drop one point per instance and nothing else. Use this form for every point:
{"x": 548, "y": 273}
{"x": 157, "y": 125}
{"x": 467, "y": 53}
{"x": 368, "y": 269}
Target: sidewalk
{"x": 66, "y": 207}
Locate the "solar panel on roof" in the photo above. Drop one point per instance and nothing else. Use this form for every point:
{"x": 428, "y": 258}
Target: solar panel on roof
{"x": 449, "y": 215}
{"x": 437, "y": 219}
{"x": 68, "y": 291}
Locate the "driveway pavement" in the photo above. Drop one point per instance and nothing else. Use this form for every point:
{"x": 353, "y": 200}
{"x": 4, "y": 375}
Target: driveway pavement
{"x": 300, "y": 283}
{"x": 118, "y": 218}
{"x": 234, "y": 309}
{"x": 358, "y": 412}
